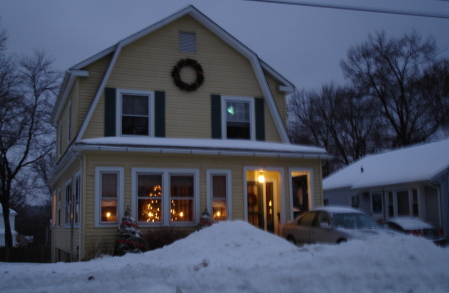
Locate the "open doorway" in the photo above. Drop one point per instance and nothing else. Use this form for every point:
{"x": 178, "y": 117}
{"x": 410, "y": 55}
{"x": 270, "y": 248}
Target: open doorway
{"x": 301, "y": 192}
{"x": 263, "y": 200}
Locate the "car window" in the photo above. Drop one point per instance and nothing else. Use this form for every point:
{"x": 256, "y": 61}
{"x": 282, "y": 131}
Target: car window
{"x": 307, "y": 219}
{"x": 321, "y": 218}
{"x": 354, "y": 221}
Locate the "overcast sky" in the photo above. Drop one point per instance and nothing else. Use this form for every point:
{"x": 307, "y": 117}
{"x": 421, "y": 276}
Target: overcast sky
{"x": 304, "y": 44}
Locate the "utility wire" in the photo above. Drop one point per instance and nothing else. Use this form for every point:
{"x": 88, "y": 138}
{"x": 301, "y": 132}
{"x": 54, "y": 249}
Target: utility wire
{"x": 357, "y": 8}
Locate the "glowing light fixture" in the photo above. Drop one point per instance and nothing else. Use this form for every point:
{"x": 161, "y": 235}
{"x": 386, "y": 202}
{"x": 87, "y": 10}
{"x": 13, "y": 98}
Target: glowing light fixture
{"x": 261, "y": 178}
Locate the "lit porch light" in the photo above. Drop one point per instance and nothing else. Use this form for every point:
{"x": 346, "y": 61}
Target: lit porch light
{"x": 261, "y": 178}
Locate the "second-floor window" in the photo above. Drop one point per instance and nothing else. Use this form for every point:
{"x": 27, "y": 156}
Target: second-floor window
{"x": 134, "y": 109}
{"x": 238, "y": 118}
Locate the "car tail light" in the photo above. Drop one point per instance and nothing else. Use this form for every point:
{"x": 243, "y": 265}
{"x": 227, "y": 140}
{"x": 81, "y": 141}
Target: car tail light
{"x": 416, "y": 232}
{"x": 440, "y": 232}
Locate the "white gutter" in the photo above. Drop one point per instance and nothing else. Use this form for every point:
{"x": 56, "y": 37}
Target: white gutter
{"x": 93, "y": 106}
{"x": 201, "y": 151}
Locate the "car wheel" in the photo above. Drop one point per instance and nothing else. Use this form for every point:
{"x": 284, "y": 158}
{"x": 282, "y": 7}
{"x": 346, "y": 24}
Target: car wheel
{"x": 291, "y": 239}
{"x": 340, "y": 241}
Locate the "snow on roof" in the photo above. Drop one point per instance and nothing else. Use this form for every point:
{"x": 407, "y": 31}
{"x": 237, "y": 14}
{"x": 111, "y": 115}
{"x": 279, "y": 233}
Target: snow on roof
{"x": 201, "y": 146}
{"x": 408, "y": 223}
{"x": 338, "y": 209}
{"x": 410, "y": 164}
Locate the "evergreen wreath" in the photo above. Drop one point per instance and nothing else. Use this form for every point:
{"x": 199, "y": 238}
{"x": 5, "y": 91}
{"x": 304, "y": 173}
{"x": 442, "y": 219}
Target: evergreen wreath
{"x": 177, "y": 78}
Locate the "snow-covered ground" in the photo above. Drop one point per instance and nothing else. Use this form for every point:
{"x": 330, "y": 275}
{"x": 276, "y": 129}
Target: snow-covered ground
{"x": 236, "y": 257}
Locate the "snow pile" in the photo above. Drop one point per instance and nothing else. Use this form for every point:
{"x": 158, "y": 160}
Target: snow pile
{"x": 236, "y": 257}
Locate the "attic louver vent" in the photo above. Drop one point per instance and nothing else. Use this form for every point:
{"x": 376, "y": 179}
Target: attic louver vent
{"x": 187, "y": 42}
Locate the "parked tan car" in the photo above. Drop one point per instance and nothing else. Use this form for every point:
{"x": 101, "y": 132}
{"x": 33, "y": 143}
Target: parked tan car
{"x": 331, "y": 225}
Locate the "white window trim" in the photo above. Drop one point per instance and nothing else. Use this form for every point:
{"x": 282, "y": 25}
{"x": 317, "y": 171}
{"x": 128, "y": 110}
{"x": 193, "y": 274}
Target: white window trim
{"x": 228, "y": 174}
{"x": 120, "y": 196}
{"x": 166, "y": 197}
{"x": 69, "y": 203}
{"x": 69, "y": 121}
{"x": 311, "y": 188}
{"x": 118, "y": 112}
{"x": 252, "y": 115}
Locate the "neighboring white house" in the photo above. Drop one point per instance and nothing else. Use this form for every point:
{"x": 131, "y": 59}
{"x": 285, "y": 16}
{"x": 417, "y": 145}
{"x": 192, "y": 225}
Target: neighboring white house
{"x": 411, "y": 181}
{"x": 12, "y": 220}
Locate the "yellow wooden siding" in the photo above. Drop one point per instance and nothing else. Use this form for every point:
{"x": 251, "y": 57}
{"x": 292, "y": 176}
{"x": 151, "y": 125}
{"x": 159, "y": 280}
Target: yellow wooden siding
{"x": 279, "y": 97}
{"x": 146, "y": 64}
{"x": 88, "y": 87}
{"x": 102, "y": 238}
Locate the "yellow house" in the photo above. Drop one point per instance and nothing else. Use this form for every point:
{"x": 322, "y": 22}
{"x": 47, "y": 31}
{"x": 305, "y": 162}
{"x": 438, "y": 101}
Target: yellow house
{"x": 175, "y": 119}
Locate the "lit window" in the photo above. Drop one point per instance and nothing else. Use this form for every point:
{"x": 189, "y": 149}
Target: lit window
{"x": 109, "y": 197}
{"x": 238, "y": 120}
{"x": 219, "y": 194}
{"x": 165, "y": 196}
{"x": 181, "y": 198}
{"x": 149, "y": 198}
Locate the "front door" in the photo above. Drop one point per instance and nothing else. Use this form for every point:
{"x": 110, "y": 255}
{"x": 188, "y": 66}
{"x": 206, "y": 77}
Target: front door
{"x": 260, "y": 198}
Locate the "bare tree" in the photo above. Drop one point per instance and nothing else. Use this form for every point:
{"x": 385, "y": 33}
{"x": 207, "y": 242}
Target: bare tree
{"x": 390, "y": 70}
{"x": 27, "y": 90}
{"x": 338, "y": 120}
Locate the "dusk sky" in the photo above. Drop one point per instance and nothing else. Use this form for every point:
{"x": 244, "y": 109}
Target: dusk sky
{"x": 304, "y": 44}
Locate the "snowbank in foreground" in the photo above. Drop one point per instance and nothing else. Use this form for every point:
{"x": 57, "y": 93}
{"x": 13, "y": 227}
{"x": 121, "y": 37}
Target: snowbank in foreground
{"x": 236, "y": 257}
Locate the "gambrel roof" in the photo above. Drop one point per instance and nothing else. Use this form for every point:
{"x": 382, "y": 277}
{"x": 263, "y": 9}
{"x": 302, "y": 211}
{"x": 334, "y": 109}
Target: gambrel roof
{"x": 419, "y": 163}
{"x": 258, "y": 66}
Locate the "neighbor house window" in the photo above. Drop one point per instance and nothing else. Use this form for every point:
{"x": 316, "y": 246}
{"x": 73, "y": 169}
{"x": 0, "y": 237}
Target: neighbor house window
{"x": 219, "y": 193}
{"x": 135, "y": 112}
{"x": 415, "y": 203}
{"x": 376, "y": 203}
{"x": 403, "y": 203}
{"x": 165, "y": 196}
{"x": 187, "y": 42}
{"x": 68, "y": 201}
{"x": 238, "y": 118}
{"x": 109, "y": 194}
{"x": 355, "y": 201}
{"x": 390, "y": 204}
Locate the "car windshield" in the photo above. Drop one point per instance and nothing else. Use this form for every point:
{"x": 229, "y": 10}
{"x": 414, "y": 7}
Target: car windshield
{"x": 354, "y": 221}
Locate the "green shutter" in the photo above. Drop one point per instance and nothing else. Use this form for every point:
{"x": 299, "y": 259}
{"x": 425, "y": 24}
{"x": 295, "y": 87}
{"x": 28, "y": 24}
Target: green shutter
{"x": 159, "y": 113}
{"x": 260, "y": 119}
{"x": 109, "y": 111}
{"x": 216, "y": 116}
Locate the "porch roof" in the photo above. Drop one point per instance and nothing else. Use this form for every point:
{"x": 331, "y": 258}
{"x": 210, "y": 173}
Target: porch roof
{"x": 201, "y": 146}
